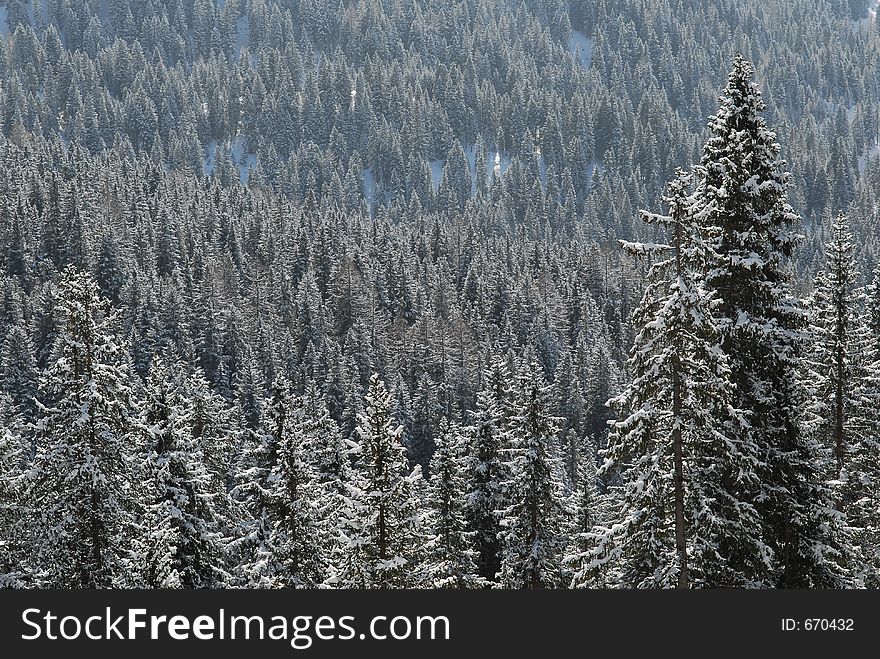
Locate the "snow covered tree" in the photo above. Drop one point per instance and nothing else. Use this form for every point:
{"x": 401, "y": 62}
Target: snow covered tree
{"x": 585, "y": 519}
{"x": 284, "y": 540}
{"x": 253, "y": 492}
{"x": 740, "y": 202}
{"x": 182, "y": 546}
{"x": 842, "y": 374}
{"x": 14, "y": 459}
{"x": 533, "y": 522}
{"x": 486, "y": 474}
{"x": 685, "y": 518}
{"x": 298, "y": 542}
{"x": 80, "y": 489}
{"x": 450, "y": 558}
{"x": 381, "y": 532}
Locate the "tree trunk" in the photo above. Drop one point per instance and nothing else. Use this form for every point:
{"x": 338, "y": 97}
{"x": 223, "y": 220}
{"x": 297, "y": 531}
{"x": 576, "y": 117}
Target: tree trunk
{"x": 678, "y": 482}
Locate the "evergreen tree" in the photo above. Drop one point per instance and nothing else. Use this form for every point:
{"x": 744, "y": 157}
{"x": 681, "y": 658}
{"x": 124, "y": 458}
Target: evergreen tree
{"x": 14, "y": 460}
{"x": 486, "y": 474}
{"x": 585, "y": 520}
{"x": 685, "y": 519}
{"x": 533, "y": 522}
{"x": 182, "y": 546}
{"x": 740, "y": 202}
{"x": 297, "y": 543}
{"x": 80, "y": 489}
{"x": 450, "y": 558}
{"x": 843, "y": 375}
{"x": 381, "y": 525}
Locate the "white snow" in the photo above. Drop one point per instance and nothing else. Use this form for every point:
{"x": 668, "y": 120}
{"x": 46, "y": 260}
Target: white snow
{"x": 210, "y": 157}
{"x": 242, "y": 35}
{"x": 369, "y": 186}
{"x": 873, "y": 8}
{"x": 436, "y": 172}
{"x": 582, "y": 46}
{"x": 246, "y": 161}
{"x": 500, "y": 164}
{"x": 244, "y": 168}
{"x": 873, "y": 153}
{"x": 496, "y": 164}
{"x": 4, "y": 24}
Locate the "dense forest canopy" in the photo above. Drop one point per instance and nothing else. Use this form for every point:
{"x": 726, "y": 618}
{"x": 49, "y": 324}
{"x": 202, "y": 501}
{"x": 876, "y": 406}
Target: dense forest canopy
{"x": 250, "y": 248}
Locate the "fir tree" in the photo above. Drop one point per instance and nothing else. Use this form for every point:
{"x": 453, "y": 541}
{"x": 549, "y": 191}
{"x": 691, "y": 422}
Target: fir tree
{"x": 80, "y": 488}
{"x": 486, "y": 474}
{"x": 582, "y": 535}
{"x": 533, "y": 522}
{"x": 685, "y": 519}
{"x": 297, "y": 543}
{"x": 381, "y": 525}
{"x": 741, "y": 204}
{"x": 450, "y": 557}
{"x": 182, "y": 544}
{"x": 14, "y": 458}
{"x": 842, "y": 374}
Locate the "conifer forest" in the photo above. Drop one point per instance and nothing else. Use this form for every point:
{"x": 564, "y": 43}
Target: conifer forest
{"x": 515, "y": 294}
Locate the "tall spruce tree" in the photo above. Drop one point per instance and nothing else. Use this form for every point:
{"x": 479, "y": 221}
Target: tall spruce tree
{"x": 585, "y": 519}
{"x": 81, "y": 491}
{"x": 14, "y": 459}
{"x": 533, "y": 522}
{"x": 298, "y": 541}
{"x": 486, "y": 473}
{"x": 450, "y": 556}
{"x": 842, "y": 374}
{"x": 181, "y": 544}
{"x": 381, "y": 527}
{"x": 740, "y": 202}
{"x": 685, "y": 519}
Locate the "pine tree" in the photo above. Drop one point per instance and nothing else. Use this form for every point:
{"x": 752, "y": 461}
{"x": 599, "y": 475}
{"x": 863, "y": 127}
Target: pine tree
{"x": 486, "y": 474}
{"x": 450, "y": 557}
{"x": 182, "y": 544}
{"x": 80, "y": 489}
{"x": 843, "y": 376}
{"x": 381, "y": 525}
{"x": 740, "y": 201}
{"x": 533, "y": 522}
{"x": 253, "y": 492}
{"x": 586, "y": 518}
{"x": 298, "y": 544}
{"x": 14, "y": 459}
{"x": 685, "y": 520}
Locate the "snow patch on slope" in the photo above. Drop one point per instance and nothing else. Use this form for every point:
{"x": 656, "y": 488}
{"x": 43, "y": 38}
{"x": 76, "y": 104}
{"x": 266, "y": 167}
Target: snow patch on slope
{"x": 581, "y": 46}
{"x": 245, "y": 160}
{"x": 867, "y": 21}
{"x": 436, "y": 172}
{"x": 497, "y": 164}
{"x": 864, "y": 159}
{"x": 210, "y": 157}
{"x": 4, "y": 23}
{"x": 369, "y": 183}
{"x": 242, "y": 35}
